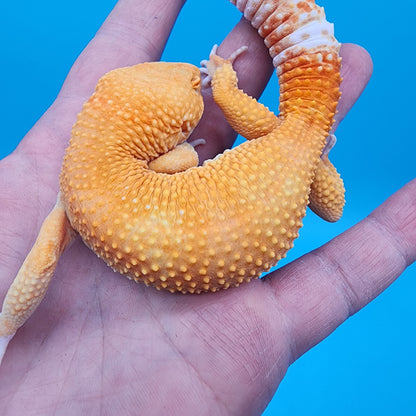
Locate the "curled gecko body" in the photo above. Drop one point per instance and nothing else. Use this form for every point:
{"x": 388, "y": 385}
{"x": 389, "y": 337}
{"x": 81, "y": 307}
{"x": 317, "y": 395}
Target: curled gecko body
{"x": 131, "y": 186}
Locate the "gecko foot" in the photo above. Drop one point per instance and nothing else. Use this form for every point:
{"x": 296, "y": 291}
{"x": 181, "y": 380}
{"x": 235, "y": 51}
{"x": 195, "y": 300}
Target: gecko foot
{"x": 197, "y": 142}
{"x": 208, "y": 66}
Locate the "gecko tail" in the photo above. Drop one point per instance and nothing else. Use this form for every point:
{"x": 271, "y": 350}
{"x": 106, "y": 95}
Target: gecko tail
{"x": 304, "y": 50}
{"x": 33, "y": 278}
{"x": 4, "y": 342}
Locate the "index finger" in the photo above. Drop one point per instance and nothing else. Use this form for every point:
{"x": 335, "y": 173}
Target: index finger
{"x": 135, "y": 31}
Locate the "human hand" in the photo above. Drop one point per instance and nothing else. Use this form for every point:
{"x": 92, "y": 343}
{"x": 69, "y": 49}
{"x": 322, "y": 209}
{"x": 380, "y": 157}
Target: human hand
{"x": 99, "y": 343}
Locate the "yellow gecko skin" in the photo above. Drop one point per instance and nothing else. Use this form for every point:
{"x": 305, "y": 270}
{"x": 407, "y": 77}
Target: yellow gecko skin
{"x": 131, "y": 187}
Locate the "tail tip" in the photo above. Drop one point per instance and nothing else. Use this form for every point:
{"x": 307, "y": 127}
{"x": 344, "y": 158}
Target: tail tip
{"x": 4, "y": 341}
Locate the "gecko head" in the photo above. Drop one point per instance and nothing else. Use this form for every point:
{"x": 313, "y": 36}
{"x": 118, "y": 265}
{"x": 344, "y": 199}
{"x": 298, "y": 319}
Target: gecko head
{"x": 184, "y": 81}
{"x": 174, "y": 89}
{"x": 159, "y": 100}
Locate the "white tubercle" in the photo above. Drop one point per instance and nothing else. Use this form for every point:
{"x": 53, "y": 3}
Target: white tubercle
{"x": 262, "y": 13}
{"x": 308, "y": 31}
{"x": 321, "y": 31}
{"x": 315, "y": 35}
{"x": 250, "y": 8}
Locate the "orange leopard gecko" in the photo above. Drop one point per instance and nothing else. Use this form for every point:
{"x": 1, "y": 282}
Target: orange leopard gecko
{"x": 131, "y": 187}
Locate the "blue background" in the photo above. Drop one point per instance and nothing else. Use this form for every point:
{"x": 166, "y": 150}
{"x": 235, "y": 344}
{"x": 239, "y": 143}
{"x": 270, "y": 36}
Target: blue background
{"x": 367, "y": 366}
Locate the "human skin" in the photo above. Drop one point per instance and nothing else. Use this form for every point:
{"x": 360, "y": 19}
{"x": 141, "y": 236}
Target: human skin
{"x": 100, "y": 344}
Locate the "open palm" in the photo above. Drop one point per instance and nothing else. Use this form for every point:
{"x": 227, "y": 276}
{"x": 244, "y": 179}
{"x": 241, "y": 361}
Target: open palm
{"x": 102, "y": 345}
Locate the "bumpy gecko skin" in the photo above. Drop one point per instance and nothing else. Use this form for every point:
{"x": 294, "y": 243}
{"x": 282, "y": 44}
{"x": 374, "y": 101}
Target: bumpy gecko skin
{"x": 275, "y": 20}
{"x": 131, "y": 187}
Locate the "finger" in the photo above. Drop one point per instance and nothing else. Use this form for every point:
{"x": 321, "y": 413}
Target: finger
{"x": 356, "y": 71}
{"x": 323, "y": 288}
{"x": 135, "y": 31}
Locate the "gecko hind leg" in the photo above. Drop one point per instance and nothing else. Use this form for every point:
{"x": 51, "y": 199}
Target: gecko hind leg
{"x": 327, "y": 196}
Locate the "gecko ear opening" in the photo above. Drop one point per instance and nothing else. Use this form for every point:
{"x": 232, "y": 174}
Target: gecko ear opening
{"x": 196, "y": 83}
